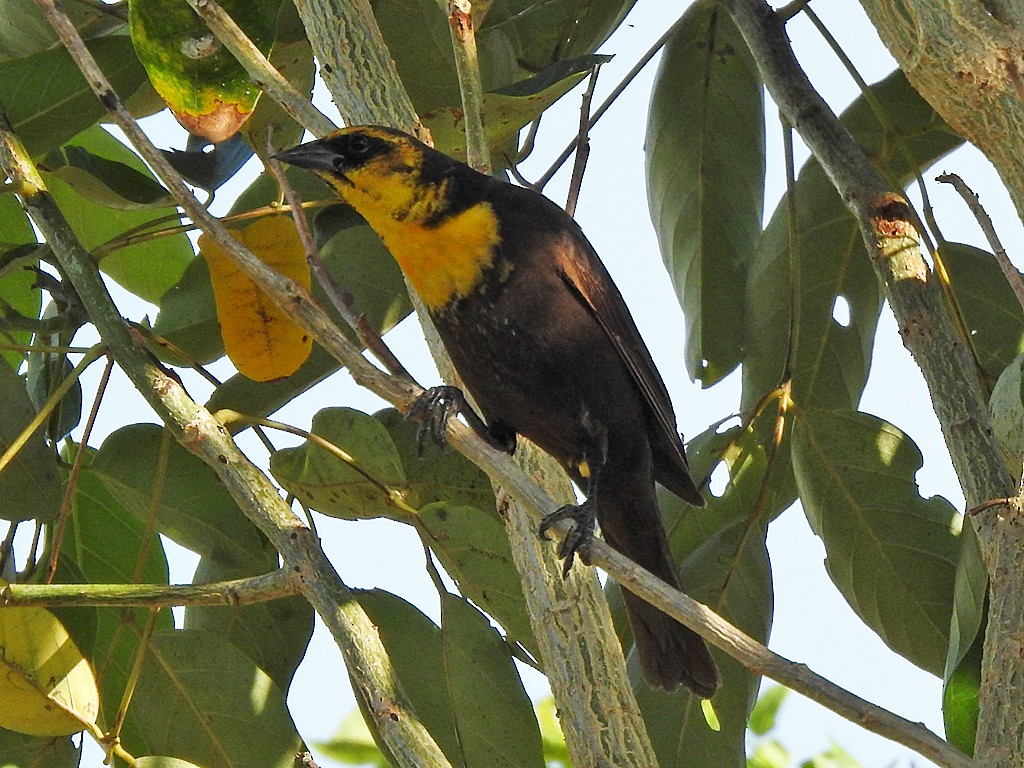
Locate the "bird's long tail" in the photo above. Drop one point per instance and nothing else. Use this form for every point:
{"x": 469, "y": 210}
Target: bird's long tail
{"x": 670, "y": 653}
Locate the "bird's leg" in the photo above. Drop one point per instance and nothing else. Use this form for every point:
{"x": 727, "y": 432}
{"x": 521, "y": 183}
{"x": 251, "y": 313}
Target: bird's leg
{"x": 437, "y": 405}
{"x": 584, "y": 516}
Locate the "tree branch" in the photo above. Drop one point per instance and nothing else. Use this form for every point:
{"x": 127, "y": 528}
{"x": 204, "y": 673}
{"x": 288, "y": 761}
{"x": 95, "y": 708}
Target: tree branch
{"x": 236, "y": 592}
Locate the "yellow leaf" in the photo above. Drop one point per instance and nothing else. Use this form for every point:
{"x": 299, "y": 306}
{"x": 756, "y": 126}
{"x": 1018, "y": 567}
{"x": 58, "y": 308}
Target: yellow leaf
{"x": 47, "y": 687}
{"x": 260, "y": 339}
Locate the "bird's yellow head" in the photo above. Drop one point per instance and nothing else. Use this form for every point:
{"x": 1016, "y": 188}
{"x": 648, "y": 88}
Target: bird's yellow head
{"x": 427, "y": 208}
{"x": 381, "y": 172}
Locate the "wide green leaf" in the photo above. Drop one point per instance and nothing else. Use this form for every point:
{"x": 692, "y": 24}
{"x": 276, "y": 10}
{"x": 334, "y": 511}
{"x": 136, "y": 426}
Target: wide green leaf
{"x": 29, "y": 484}
{"x": 541, "y": 32}
{"x": 190, "y": 504}
{"x": 47, "y": 99}
{"x": 419, "y": 40}
{"x": 433, "y": 473}
{"x": 994, "y": 318}
{"x": 201, "y": 699}
{"x": 705, "y": 180}
{"x": 493, "y": 715}
{"x": 358, "y": 486}
{"x": 473, "y": 548}
{"x": 188, "y": 317}
{"x": 413, "y": 643}
{"x": 891, "y": 553}
{"x": 111, "y": 183}
{"x": 22, "y": 751}
{"x": 273, "y": 634}
{"x": 97, "y": 518}
{"x": 147, "y": 269}
{"x": 18, "y": 291}
{"x": 839, "y": 295}
{"x": 1006, "y": 407}
{"x": 206, "y": 87}
{"x": 24, "y": 30}
{"x": 509, "y": 109}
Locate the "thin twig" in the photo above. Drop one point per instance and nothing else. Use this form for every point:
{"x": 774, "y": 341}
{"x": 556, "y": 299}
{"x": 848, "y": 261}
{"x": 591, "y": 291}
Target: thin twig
{"x": 76, "y": 470}
{"x": 579, "y": 165}
{"x": 1013, "y": 277}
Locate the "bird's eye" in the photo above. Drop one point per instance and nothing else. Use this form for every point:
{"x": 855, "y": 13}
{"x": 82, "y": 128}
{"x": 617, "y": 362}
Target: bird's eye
{"x": 358, "y": 144}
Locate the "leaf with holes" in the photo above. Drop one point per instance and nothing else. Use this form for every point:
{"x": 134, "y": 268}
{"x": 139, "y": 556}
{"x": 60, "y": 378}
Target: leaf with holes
{"x": 891, "y": 553}
{"x": 833, "y": 354}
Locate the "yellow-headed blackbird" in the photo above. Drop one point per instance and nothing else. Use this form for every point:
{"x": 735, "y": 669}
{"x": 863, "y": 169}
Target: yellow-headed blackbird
{"x": 545, "y": 344}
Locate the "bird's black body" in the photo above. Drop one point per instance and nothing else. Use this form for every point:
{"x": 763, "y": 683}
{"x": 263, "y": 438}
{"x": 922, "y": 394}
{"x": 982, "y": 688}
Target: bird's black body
{"x": 545, "y": 344}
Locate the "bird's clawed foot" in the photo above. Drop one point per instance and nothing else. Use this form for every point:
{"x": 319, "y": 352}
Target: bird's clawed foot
{"x": 437, "y": 405}
{"x": 432, "y": 410}
{"x": 577, "y": 541}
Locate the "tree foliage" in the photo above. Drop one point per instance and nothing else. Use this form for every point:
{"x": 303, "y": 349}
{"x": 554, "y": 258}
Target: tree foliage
{"x": 793, "y": 303}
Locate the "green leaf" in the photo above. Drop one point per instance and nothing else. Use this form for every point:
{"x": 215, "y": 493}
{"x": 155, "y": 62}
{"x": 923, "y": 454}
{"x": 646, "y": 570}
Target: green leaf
{"x": 45, "y": 373}
{"x": 353, "y": 744}
{"x": 188, "y": 317}
{"x": 473, "y": 548}
{"x": 1006, "y": 407}
{"x": 705, "y": 180}
{"x": 510, "y": 109}
{"x": 762, "y": 719}
{"x": 493, "y": 715}
{"x": 108, "y": 182}
{"x": 891, "y": 553}
{"x": 24, "y": 30}
{"x": 273, "y": 634}
{"x": 356, "y": 488}
{"x": 432, "y": 473}
{"x": 192, "y": 506}
{"x": 831, "y": 360}
{"x": 555, "y": 749}
{"x": 223, "y": 708}
{"x": 292, "y": 56}
{"x": 419, "y": 40}
{"x": 544, "y": 31}
{"x": 834, "y": 757}
{"x": 17, "y": 285}
{"x": 966, "y": 642}
{"x": 413, "y": 643}
{"x": 147, "y": 269}
{"x": 29, "y": 484}
{"x": 990, "y": 309}
{"x": 22, "y": 751}
{"x": 769, "y": 754}
{"x": 48, "y": 101}
{"x": 97, "y": 518}
{"x": 202, "y": 82}
{"x": 163, "y": 762}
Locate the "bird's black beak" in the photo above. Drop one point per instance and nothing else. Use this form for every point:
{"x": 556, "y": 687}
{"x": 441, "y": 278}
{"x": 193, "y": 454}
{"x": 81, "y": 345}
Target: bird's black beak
{"x": 313, "y": 155}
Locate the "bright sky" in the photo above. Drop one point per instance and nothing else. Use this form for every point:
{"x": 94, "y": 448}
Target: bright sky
{"x": 813, "y": 624}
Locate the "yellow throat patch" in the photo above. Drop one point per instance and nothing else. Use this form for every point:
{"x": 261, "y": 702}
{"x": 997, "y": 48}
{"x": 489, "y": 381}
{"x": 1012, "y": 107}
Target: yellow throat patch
{"x": 444, "y": 260}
